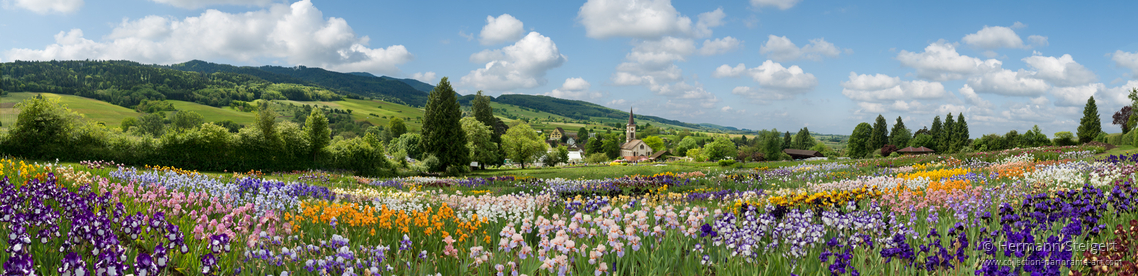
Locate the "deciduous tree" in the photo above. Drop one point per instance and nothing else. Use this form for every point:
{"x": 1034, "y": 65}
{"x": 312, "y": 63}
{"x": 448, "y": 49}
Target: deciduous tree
{"x": 859, "y": 141}
{"x": 478, "y": 139}
{"x": 317, "y": 131}
{"x": 654, "y": 142}
{"x": 187, "y": 119}
{"x": 1122, "y": 117}
{"x": 803, "y": 140}
{"x": 396, "y": 127}
{"x": 721, "y": 148}
{"x": 523, "y": 144}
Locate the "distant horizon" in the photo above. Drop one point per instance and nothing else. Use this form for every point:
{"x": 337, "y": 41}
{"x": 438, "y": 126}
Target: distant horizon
{"x": 758, "y": 64}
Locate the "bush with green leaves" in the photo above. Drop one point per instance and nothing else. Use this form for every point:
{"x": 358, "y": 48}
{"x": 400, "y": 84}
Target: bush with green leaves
{"x": 599, "y": 157}
{"x": 721, "y": 148}
{"x": 357, "y": 155}
{"x": 1064, "y": 138}
{"x": 187, "y": 119}
{"x": 128, "y": 123}
{"x": 409, "y": 144}
{"x": 43, "y": 128}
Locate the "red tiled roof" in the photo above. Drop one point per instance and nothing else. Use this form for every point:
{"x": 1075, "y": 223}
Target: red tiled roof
{"x": 916, "y": 150}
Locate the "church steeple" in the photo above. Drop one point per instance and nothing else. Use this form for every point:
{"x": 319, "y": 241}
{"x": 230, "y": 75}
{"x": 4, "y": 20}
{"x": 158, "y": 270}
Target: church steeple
{"x": 630, "y": 130}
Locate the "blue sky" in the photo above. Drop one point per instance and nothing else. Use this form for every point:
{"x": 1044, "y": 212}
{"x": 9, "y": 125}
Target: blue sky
{"x": 827, "y": 65}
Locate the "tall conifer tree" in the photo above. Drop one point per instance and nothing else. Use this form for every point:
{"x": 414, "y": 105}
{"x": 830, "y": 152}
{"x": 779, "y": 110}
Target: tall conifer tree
{"x": 900, "y": 135}
{"x": 442, "y": 129}
{"x": 961, "y": 132}
{"x": 1090, "y": 125}
{"x": 935, "y": 132}
{"x": 880, "y": 135}
{"x": 944, "y": 140}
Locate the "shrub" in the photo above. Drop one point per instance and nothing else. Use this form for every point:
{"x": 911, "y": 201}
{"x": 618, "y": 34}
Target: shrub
{"x": 1114, "y": 139}
{"x": 1064, "y": 138}
{"x": 726, "y": 162}
{"x": 430, "y": 162}
{"x": 43, "y": 129}
{"x": 357, "y": 155}
{"x": 887, "y": 150}
{"x": 599, "y": 157}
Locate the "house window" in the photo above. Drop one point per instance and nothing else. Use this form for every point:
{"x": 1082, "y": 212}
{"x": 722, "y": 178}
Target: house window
{"x": 641, "y": 146}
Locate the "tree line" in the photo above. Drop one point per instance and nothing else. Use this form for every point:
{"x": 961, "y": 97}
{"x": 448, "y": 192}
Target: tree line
{"x": 127, "y": 83}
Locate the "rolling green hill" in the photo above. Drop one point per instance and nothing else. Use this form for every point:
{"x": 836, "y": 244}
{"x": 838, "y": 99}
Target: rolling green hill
{"x": 112, "y": 115}
{"x": 94, "y": 110}
{"x": 126, "y": 83}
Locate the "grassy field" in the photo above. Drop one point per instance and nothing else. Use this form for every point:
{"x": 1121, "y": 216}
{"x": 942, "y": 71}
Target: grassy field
{"x": 375, "y": 111}
{"x": 1124, "y": 149}
{"x": 94, "y": 110}
{"x": 214, "y": 114}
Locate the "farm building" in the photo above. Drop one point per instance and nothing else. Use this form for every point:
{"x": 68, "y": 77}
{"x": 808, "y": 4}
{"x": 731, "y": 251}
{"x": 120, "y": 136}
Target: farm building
{"x": 802, "y": 154}
{"x": 919, "y": 150}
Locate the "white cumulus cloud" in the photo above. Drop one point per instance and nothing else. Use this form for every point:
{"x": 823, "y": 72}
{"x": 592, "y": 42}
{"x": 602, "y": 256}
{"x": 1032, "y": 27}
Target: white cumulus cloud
{"x": 296, "y": 33}
{"x": 574, "y": 89}
{"x": 425, "y": 77}
{"x": 883, "y": 88}
{"x": 1061, "y": 71}
{"x": 709, "y": 20}
{"x": 719, "y": 46}
{"x": 45, "y": 6}
{"x": 941, "y": 62}
{"x": 504, "y": 28}
{"x": 780, "y": 48}
{"x": 724, "y": 71}
{"x": 772, "y": 75}
{"x": 647, "y": 19}
{"x": 1038, "y": 40}
{"x": 775, "y": 81}
{"x": 1077, "y": 95}
{"x": 972, "y": 98}
{"x": 1126, "y": 59}
{"x": 653, "y": 62}
{"x": 994, "y": 37}
{"x": 688, "y": 93}
{"x": 1009, "y": 83}
{"x": 521, "y": 65}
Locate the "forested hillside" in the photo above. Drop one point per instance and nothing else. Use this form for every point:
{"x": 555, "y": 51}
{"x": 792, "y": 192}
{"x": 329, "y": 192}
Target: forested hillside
{"x": 127, "y": 83}
{"x": 361, "y": 84}
{"x": 377, "y": 88}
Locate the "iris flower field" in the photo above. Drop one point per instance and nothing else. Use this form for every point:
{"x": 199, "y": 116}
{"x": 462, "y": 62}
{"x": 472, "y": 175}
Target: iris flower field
{"x": 1037, "y": 211}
